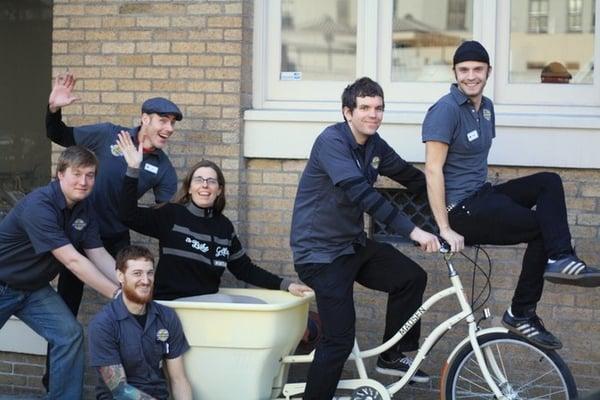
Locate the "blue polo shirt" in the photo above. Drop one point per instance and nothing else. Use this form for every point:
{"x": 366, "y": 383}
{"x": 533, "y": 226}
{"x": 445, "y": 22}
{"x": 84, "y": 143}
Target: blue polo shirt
{"x": 327, "y": 222}
{"x": 38, "y": 224}
{"x": 468, "y": 133}
{"x": 116, "y": 337}
{"x": 156, "y": 173}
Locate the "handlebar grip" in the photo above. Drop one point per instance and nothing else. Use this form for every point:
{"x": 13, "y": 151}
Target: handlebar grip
{"x": 444, "y": 246}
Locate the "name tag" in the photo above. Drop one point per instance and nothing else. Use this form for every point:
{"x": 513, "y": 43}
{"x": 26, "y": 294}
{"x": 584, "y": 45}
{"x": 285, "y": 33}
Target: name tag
{"x": 472, "y": 135}
{"x": 151, "y": 168}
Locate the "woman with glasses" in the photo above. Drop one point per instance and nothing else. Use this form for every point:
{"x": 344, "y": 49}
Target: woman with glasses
{"x": 197, "y": 242}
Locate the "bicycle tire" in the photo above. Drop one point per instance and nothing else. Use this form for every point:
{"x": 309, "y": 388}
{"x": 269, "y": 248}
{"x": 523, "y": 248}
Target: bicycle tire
{"x": 531, "y": 372}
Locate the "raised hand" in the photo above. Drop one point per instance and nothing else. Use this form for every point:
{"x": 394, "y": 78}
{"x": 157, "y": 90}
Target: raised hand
{"x": 133, "y": 156}
{"x": 62, "y": 92}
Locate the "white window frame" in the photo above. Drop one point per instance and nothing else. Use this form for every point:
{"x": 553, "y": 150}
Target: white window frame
{"x": 559, "y": 125}
{"x": 559, "y": 97}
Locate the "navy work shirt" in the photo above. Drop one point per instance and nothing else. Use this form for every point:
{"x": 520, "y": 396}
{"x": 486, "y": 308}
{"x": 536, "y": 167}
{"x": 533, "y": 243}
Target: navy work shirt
{"x": 156, "y": 173}
{"x": 38, "y": 224}
{"x": 326, "y": 222}
{"x": 468, "y": 133}
{"x": 116, "y": 337}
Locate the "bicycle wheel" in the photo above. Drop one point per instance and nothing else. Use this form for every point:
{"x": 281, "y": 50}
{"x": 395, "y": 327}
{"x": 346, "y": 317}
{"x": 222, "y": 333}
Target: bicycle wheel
{"x": 520, "y": 369}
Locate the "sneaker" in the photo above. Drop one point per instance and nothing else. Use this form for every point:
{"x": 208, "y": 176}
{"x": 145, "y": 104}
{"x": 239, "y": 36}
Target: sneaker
{"x": 399, "y": 367}
{"x": 570, "y": 270}
{"x": 531, "y": 328}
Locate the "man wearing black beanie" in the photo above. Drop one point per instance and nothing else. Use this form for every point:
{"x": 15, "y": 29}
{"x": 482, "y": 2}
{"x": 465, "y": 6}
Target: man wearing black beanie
{"x": 458, "y": 131}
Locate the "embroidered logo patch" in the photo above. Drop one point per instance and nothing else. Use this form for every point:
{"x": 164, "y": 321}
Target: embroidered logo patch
{"x": 115, "y": 150}
{"x": 375, "y": 162}
{"x": 203, "y": 247}
{"x": 162, "y": 335}
{"x": 487, "y": 114}
{"x": 79, "y": 224}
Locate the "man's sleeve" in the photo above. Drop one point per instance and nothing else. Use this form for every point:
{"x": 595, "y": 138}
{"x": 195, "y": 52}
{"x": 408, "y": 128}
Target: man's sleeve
{"x": 57, "y": 131}
{"x": 102, "y": 342}
{"x": 342, "y": 167}
{"x": 394, "y": 167}
{"x": 177, "y": 342}
{"x": 166, "y": 188}
{"x": 41, "y": 224}
{"x": 94, "y": 136}
{"x": 440, "y": 123}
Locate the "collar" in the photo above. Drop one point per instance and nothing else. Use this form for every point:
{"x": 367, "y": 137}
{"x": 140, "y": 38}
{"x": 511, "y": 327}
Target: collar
{"x": 59, "y": 197}
{"x": 199, "y": 211}
{"x": 134, "y": 132}
{"x": 461, "y": 98}
{"x": 457, "y": 95}
{"x": 350, "y": 137}
{"x": 121, "y": 312}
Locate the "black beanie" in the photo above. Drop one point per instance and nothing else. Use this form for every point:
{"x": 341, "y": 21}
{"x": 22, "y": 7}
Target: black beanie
{"x": 471, "y": 51}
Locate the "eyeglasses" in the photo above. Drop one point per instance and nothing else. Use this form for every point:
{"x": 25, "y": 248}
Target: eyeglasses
{"x": 209, "y": 181}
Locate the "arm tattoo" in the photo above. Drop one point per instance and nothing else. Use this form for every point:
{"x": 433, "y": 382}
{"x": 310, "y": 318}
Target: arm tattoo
{"x": 115, "y": 379}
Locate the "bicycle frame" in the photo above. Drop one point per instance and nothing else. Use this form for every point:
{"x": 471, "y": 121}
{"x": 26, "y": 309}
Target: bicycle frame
{"x": 358, "y": 356}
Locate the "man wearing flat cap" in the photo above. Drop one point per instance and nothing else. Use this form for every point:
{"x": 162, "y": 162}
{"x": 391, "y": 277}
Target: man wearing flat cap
{"x": 158, "y": 117}
{"x": 458, "y": 131}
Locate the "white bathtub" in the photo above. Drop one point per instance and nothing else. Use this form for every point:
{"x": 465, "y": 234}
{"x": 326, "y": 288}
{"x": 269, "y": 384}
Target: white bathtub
{"x": 236, "y": 347}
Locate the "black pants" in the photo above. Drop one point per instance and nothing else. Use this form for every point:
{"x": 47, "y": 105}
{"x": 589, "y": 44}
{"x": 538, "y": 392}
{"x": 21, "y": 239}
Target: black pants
{"x": 70, "y": 288}
{"x": 503, "y": 215}
{"x": 377, "y": 266}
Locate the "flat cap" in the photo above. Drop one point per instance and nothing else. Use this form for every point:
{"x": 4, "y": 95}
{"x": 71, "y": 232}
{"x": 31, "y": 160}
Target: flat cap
{"x": 161, "y": 106}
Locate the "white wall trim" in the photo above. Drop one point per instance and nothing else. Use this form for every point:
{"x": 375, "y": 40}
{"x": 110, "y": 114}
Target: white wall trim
{"x": 17, "y": 337}
{"x": 523, "y": 139}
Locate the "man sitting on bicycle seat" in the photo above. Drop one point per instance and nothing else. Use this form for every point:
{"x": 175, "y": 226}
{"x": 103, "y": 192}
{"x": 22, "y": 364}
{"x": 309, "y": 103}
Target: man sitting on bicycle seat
{"x": 331, "y": 250}
{"x": 458, "y": 131}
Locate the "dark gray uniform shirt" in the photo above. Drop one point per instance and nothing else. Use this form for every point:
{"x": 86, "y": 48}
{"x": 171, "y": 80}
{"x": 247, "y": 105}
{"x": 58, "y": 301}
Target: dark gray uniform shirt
{"x": 468, "y": 133}
{"x": 336, "y": 188}
{"x": 38, "y": 224}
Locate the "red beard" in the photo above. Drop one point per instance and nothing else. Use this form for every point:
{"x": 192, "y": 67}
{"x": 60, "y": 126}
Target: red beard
{"x": 132, "y": 296}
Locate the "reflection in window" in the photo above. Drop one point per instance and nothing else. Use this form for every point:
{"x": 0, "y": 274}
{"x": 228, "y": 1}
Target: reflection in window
{"x": 554, "y": 55}
{"x": 318, "y": 40}
{"x": 538, "y": 16}
{"x": 575, "y": 16}
{"x": 425, "y": 35}
{"x": 25, "y": 73}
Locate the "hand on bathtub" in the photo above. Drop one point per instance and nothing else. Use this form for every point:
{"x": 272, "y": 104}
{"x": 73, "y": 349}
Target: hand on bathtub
{"x": 298, "y": 289}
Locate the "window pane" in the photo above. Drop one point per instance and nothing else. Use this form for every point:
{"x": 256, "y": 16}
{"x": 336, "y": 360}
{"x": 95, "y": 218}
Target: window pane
{"x": 318, "y": 40}
{"x": 25, "y": 73}
{"x": 548, "y": 46}
{"x": 425, "y": 35}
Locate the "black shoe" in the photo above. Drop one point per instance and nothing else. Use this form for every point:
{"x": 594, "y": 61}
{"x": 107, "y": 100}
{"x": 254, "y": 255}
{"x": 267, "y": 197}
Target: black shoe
{"x": 570, "y": 270}
{"x": 398, "y": 367}
{"x": 531, "y": 328}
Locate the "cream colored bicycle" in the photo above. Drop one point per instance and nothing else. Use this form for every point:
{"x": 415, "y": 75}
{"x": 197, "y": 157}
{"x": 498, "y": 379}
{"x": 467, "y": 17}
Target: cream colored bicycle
{"x": 489, "y": 363}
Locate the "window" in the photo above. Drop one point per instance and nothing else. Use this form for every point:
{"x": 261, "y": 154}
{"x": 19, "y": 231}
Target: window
{"x": 423, "y": 42}
{"x": 538, "y": 16}
{"x": 543, "y": 78}
{"x": 575, "y": 16}
{"x": 24, "y": 148}
{"x": 318, "y": 41}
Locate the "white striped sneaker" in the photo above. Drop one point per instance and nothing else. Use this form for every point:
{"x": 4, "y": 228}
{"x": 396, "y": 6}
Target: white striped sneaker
{"x": 570, "y": 270}
{"x": 532, "y": 329}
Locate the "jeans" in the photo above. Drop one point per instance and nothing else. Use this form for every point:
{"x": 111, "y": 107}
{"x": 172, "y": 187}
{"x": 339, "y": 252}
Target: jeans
{"x": 377, "y": 266}
{"x": 503, "y": 215}
{"x": 70, "y": 289}
{"x": 44, "y": 312}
